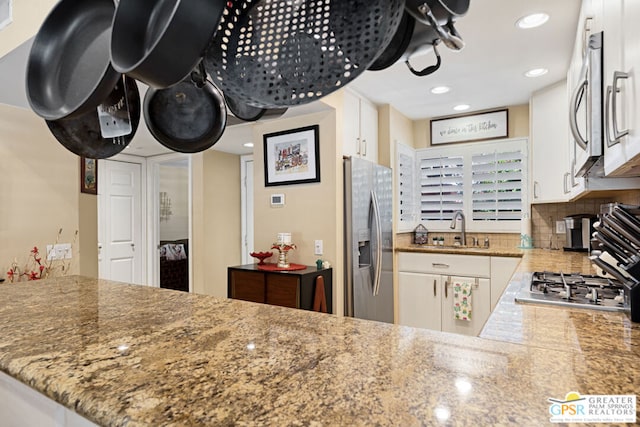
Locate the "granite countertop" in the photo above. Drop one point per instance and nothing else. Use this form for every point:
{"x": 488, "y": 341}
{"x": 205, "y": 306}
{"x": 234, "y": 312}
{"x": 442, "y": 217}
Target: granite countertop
{"x": 130, "y": 355}
{"x": 461, "y": 250}
{"x": 582, "y": 331}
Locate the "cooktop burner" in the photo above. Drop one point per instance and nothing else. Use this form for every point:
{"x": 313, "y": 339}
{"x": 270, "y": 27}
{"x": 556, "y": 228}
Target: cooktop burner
{"x": 573, "y": 290}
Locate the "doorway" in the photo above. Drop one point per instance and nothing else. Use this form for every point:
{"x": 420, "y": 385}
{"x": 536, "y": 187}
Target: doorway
{"x": 170, "y": 220}
{"x": 120, "y": 229}
{"x": 246, "y": 171}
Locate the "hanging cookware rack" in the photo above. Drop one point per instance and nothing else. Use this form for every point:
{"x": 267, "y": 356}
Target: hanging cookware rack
{"x": 270, "y": 53}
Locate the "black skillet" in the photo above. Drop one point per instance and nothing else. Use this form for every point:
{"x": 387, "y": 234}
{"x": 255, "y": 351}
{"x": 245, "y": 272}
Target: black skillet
{"x": 69, "y": 70}
{"x": 249, "y": 113}
{"x": 160, "y": 42}
{"x": 188, "y": 117}
{"x": 82, "y": 135}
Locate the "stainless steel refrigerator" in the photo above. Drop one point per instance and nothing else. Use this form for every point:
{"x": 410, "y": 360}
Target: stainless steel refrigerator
{"x": 368, "y": 202}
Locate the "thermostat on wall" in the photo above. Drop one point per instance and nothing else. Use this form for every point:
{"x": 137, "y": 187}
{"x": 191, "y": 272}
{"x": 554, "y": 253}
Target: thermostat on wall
{"x": 277, "y": 200}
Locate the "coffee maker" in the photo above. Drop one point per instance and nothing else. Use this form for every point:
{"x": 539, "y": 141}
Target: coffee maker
{"x": 579, "y": 229}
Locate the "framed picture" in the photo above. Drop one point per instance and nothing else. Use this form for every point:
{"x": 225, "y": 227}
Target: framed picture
{"x": 292, "y": 156}
{"x": 470, "y": 127}
{"x": 88, "y": 175}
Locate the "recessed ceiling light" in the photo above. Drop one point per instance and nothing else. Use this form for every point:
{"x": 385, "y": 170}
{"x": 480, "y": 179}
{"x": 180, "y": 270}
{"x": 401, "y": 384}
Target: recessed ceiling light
{"x": 440, "y": 90}
{"x": 532, "y": 21}
{"x": 248, "y": 144}
{"x": 536, "y": 72}
{"x": 461, "y": 107}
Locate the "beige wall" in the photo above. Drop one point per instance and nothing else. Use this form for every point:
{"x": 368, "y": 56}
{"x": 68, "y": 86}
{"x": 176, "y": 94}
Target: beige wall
{"x": 312, "y": 211}
{"x": 40, "y": 193}
{"x": 28, "y": 16}
{"x": 393, "y": 127}
{"x": 518, "y": 126}
{"x": 216, "y": 220}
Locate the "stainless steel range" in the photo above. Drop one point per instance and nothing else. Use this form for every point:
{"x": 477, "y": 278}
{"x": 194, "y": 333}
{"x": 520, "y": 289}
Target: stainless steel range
{"x": 574, "y": 290}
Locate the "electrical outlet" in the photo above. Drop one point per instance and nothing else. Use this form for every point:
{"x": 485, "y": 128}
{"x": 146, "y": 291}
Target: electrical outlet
{"x": 59, "y": 251}
{"x": 318, "y": 247}
{"x": 560, "y": 227}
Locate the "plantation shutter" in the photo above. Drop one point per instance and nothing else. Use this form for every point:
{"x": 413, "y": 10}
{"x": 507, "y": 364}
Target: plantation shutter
{"x": 497, "y": 186}
{"x": 441, "y": 181}
{"x": 407, "y": 185}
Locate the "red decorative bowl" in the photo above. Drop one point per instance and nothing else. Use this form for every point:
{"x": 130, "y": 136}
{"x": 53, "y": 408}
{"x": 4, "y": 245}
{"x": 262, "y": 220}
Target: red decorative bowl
{"x": 261, "y": 256}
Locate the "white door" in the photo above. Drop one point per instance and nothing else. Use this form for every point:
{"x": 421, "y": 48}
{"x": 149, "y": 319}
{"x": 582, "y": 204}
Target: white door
{"x": 247, "y": 208}
{"x": 120, "y": 219}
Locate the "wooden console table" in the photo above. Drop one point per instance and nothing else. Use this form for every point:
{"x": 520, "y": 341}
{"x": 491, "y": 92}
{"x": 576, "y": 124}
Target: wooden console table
{"x": 294, "y": 289}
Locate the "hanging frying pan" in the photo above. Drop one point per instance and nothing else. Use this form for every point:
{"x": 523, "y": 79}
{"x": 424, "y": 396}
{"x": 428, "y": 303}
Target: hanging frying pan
{"x": 188, "y": 117}
{"x": 249, "y": 113}
{"x": 398, "y": 44}
{"x": 82, "y": 135}
{"x": 272, "y": 54}
{"x": 68, "y": 70}
{"x": 160, "y": 42}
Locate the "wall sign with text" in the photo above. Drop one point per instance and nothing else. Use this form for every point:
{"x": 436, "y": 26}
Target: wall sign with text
{"x": 470, "y": 127}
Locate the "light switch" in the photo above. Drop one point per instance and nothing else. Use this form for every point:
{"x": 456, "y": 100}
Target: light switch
{"x": 318, "y": 247}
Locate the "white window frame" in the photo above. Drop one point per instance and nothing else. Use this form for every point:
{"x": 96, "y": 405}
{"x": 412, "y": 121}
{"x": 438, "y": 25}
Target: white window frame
{"x": 467, "y": 151}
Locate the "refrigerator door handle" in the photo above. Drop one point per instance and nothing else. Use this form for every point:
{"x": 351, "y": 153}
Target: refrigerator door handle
{"x": 378, "y": 263}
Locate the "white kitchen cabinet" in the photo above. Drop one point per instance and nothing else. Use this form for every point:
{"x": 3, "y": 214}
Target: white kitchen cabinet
{"x": 622, "y": 59}
{"x": 426, "y": 301}
{"x": 360, "y": 127}
{"x": 425, "y": 291}
{"x": 502, "y": 269}
{"x": 419, "y": 300}
{"x": 20, "y": 405}
{"x": 619, "y": 165}
{"x": 550, "y": 164}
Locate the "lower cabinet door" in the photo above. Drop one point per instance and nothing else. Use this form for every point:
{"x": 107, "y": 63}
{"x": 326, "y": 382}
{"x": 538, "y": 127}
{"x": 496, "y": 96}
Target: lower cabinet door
{"x": 247, "y": 286}
{"x": 480, "y": 301}
{"x": 419, "y": 300}
{"x": 283, "y": 290}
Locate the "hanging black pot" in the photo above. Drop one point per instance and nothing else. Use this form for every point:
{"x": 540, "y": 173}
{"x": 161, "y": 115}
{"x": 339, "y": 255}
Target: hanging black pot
{"x": 188, "y": 117}
{"x": 82, "y": 135}
{"x": 160, "y": 42}
{"x": 68, "y": 70}
{"x": 398, "y": 44}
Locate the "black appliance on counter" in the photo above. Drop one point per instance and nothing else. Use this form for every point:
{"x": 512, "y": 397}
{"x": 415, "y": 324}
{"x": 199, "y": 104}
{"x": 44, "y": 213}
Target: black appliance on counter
{"x": 579, "y": 229}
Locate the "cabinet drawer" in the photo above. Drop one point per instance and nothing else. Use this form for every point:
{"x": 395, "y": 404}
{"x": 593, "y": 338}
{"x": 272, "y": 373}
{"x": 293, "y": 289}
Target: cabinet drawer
{"x": 283, "y": 291}
{"x": 247, "y": 286}
{"x": 445, "y": 264}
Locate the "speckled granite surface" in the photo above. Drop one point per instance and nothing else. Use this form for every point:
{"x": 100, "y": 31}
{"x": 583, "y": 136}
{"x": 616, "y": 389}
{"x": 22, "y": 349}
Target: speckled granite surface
{"x": 461, "y": 250}
{"x": 586, "y": 332}
{"x": 130, "y": 355}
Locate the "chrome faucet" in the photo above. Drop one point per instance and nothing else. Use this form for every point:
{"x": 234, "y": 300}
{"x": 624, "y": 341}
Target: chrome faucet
{"x": 463, "y": 233}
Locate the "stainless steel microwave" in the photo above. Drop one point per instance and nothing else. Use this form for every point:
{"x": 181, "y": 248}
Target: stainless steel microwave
{"x": 586, "y": 109}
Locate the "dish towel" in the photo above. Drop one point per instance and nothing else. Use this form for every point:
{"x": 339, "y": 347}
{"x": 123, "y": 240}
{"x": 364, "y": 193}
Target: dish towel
{"x": 462, "y": 300}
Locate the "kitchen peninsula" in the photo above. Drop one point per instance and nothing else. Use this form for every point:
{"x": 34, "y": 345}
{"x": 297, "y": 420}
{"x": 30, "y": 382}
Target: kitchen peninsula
{"x": 131, "y": 355}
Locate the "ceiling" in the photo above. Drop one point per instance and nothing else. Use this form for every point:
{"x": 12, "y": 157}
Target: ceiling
{"x": 487, "y": 73}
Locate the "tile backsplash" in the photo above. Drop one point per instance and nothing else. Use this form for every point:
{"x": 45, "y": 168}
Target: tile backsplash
{"x": 544, "y": 216}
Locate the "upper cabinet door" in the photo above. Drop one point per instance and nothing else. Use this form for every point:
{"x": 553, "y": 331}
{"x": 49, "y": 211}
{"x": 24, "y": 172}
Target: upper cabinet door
{"x": 550, "y": 175}
{"x": 368, "y": 130}
{"x": 621, "y": 88}
{"x": 360, "y": 127}
{"x": 351, "y": 125}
